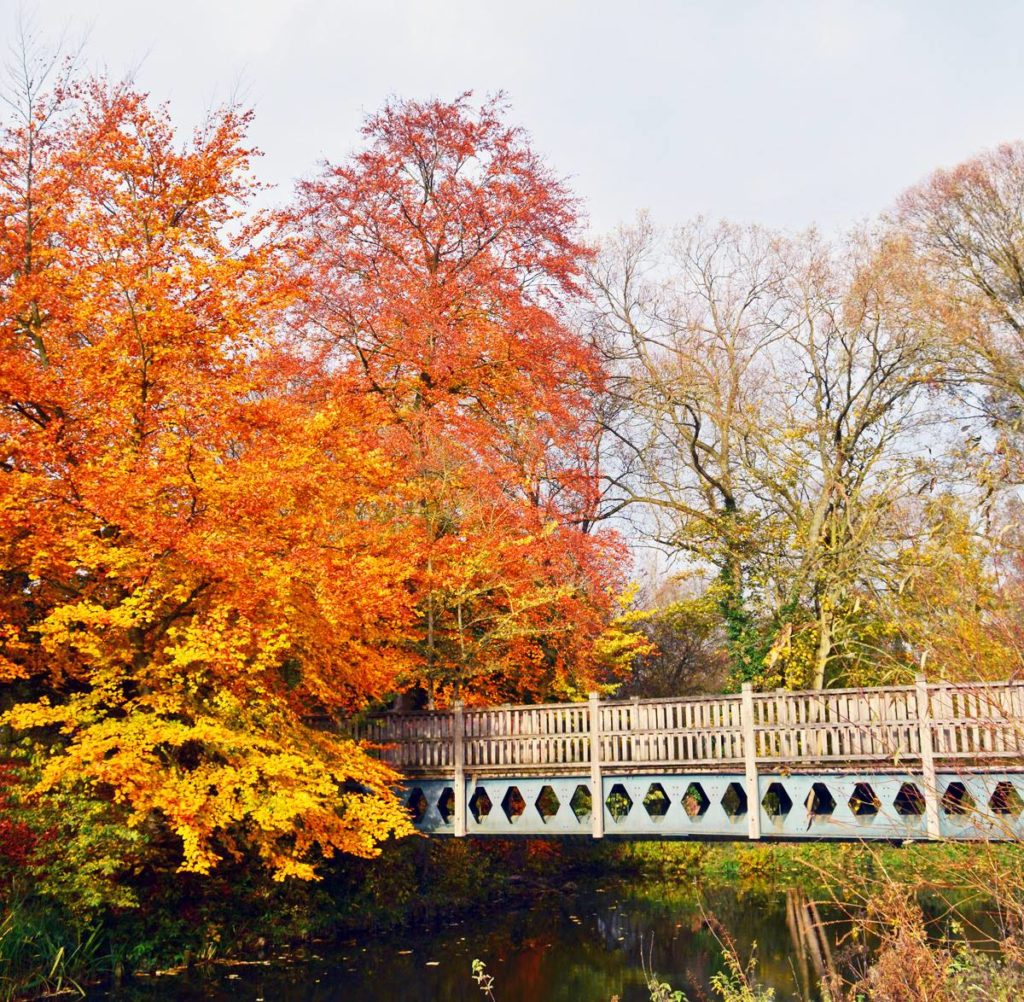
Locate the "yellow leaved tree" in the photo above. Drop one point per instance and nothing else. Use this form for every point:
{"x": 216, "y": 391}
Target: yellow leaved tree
{"x": 197, "y": 553}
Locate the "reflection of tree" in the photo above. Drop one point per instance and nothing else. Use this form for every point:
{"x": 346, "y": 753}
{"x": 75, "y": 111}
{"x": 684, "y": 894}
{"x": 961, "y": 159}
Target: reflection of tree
{"x": 582, "y": 945}
{"x": 811, "y": 944}
{"x": 576, "y": 947}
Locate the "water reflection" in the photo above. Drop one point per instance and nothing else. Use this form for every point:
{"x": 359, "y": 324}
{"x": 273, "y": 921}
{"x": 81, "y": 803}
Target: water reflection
{"x": 575, "y": 947}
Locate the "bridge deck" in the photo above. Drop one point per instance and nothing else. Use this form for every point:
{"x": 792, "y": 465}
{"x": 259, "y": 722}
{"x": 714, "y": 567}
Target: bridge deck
{"x": 921, "y": 761}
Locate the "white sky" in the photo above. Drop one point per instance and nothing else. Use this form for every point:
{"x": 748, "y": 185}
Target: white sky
{"x": 786, "y": 113}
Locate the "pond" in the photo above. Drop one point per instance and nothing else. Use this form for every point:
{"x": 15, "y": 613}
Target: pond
{"x": 583, "y": 943}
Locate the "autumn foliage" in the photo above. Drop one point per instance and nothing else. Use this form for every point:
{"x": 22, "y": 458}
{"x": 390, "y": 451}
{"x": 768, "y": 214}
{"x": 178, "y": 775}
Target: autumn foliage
{"x": 263, "y": 470}
{"x": 438, "y": 266}
{"x": 259, "y": 471}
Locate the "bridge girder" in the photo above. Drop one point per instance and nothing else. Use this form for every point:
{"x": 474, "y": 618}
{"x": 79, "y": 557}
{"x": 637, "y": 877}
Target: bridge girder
{"x": 870, "y": 805}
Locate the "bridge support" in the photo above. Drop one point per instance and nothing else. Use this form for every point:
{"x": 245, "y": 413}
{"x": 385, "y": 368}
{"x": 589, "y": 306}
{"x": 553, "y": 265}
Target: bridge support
{"x": 931, "y": 791}
{"x": 596, "y": 782}
{"x": 750, "y": 761}
{"x": 459, "y": 761}
{"x": 860, "y": 806}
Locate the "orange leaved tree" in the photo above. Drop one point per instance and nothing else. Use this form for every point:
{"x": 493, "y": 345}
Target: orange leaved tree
{"x": 439, "y": 266}
{"x": 199, "y": 547}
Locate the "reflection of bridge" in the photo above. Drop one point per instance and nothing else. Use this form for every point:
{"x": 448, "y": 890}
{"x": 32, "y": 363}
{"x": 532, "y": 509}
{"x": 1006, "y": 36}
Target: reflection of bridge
{"x": 933, "y": 760}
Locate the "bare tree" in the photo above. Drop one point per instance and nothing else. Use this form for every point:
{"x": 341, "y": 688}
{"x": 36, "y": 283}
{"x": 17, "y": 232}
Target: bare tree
{"x": 687, "y": 326}
{"x": 967, "y": 227}
{"x": 770, "y": 406}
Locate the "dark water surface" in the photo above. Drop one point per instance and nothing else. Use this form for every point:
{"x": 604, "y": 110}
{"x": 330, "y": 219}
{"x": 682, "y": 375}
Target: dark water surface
{"x": 580, "y": 945}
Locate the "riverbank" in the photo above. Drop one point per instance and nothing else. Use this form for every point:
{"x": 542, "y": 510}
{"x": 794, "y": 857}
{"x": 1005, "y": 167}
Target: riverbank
{"x": 424, "y": 885}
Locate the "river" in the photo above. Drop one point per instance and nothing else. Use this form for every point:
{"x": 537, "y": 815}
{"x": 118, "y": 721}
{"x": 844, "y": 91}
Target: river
{"x": 583, "y": 943}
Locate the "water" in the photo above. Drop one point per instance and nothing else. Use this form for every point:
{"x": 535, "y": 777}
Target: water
{"x": 580, "y": 945}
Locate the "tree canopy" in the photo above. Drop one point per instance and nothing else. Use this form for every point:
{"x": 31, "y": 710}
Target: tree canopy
{"x": 261, "y": 470}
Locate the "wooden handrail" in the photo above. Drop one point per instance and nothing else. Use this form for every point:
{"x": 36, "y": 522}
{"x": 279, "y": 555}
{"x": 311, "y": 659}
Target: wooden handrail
{"x": 925, "y": 723}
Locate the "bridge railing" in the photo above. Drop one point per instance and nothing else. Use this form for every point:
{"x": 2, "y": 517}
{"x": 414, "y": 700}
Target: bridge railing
{"x": 981, "y": 720}
{"x": 889, "y": 724}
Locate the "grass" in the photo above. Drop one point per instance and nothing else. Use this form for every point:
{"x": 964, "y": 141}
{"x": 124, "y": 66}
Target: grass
{"x": 42, "y": 953}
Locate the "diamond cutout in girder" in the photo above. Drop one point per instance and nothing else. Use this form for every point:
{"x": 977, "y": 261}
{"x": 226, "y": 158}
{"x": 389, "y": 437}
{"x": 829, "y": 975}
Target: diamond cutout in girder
{"x": 776, "y": 802}
{"x": 956, "y": 799}
{"x": 820, "y": 803}
{"x": 582, "y": 804}
{"x": 695, "y": 801}
{"x": 864, "y": 803}
{"x": 1005, "y": 799}
{"x": 547, "y": 803}
{"x": 446, "y": 805}
{"x": 619, "y": 802}
{"x": 909, "y": 801}
{"x": 417, "y": 804}
{"x": 480, "y": 804}
{"x": 513, "y": 804}
{"x": 734, "y": 801}
{"x": 656, "y": 802}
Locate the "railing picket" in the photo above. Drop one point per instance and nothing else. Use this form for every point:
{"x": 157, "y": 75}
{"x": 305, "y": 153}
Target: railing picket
{"x": 980, "y": 723}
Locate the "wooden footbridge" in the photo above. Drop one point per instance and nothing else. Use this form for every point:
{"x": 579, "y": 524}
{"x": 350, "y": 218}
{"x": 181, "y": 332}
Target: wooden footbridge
{"x": 924, "y": 761}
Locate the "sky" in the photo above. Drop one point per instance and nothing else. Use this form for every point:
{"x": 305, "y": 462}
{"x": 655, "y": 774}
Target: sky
{"x": 783, "y": 113}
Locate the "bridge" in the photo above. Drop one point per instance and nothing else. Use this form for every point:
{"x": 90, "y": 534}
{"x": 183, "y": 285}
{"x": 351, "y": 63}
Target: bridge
{"x": 922, "y": 761}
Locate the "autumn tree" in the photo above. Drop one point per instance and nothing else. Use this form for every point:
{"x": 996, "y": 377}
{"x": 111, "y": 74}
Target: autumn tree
{"x": 688, "y": 357}
{"x": 440, "y": 262}
{"x": 950, "y": 601}
{"x": 198, "y": 552}
{"x": 771, "y": 389}
{"x": 682, "y": 622}
{"x": 852, "y": 416}
{"x": 966, "y": 225}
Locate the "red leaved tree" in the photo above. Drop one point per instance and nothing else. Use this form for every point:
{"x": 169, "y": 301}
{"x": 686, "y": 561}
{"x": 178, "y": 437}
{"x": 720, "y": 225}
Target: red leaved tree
{"x": 440, "y": 264}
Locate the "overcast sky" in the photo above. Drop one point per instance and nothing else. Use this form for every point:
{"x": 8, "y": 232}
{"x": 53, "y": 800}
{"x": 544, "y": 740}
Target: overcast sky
{"x": 785, "y": 113}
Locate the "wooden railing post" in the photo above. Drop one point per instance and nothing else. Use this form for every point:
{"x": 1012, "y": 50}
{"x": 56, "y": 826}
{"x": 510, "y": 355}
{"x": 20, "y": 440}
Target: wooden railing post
{"x": 750, "y": 762}
{"x": 931, "y": 792}
{"x": 459, "y": 763}
{"x": 596, "y": 783}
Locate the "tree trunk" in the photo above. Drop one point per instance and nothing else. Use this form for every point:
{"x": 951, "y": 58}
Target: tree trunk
{"x": 824, "y": 645}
